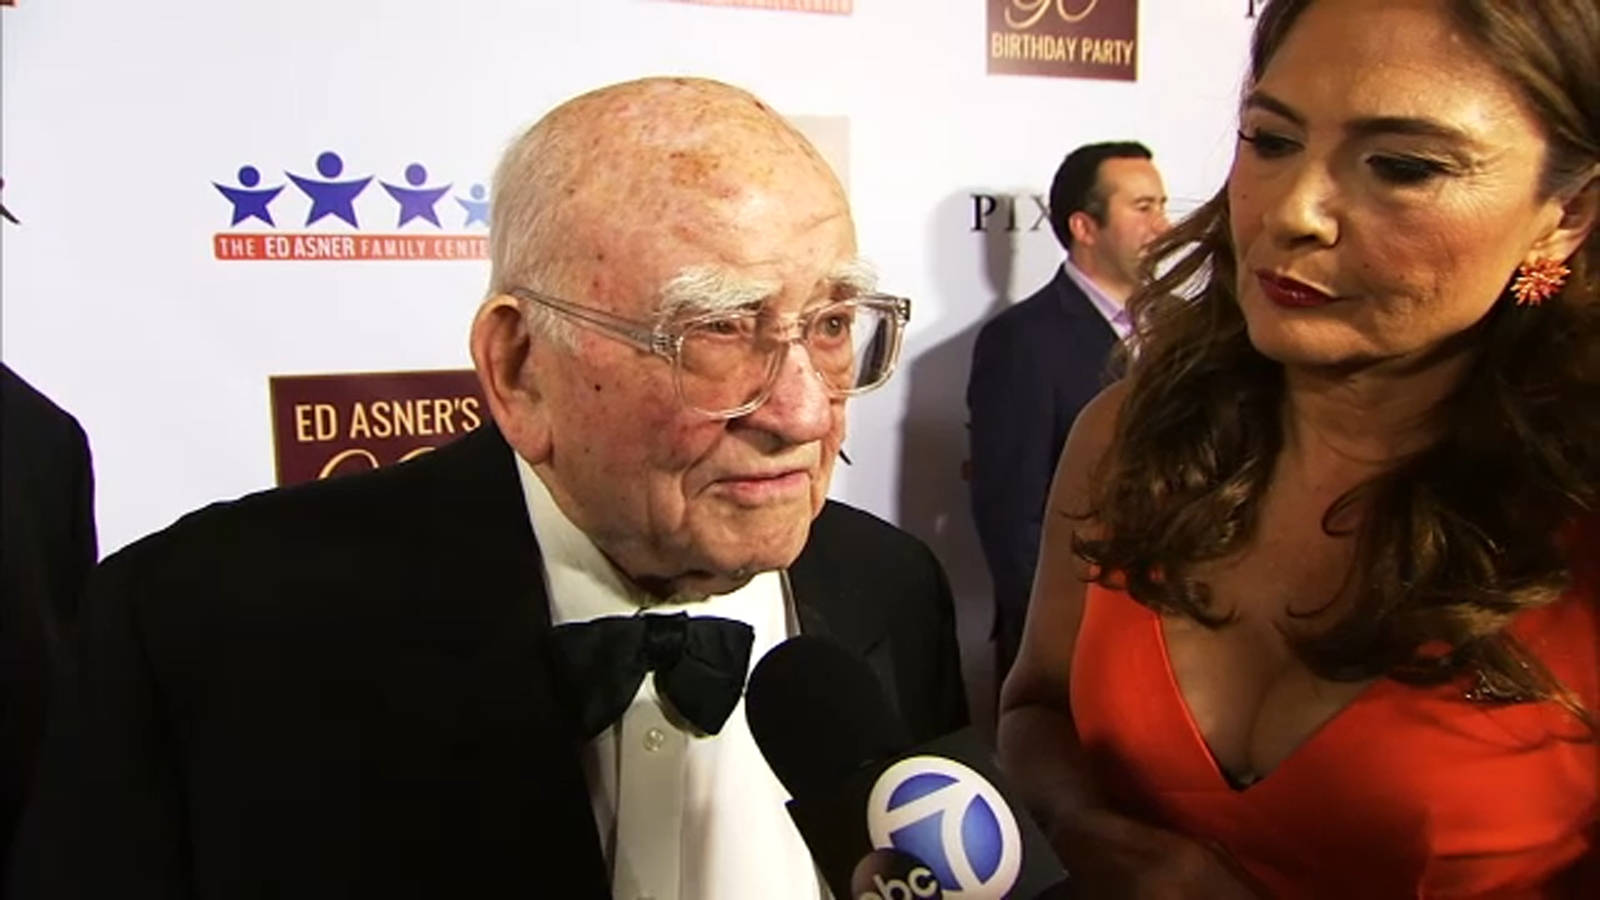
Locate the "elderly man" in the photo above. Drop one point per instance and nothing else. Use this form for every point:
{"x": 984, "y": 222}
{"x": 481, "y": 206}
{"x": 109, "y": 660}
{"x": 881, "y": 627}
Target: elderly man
{"x": 431, "y": 681}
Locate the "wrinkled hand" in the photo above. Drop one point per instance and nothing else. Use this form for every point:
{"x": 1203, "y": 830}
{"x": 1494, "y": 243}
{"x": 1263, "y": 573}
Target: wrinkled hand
{"x": 1117, "y": 858}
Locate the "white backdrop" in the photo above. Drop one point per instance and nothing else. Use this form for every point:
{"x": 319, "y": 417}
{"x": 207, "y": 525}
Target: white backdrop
{"x": 119, "y": 116}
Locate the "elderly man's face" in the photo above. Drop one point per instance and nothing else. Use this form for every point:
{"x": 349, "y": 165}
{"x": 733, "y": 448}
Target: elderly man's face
{"x": 664, "y": 491}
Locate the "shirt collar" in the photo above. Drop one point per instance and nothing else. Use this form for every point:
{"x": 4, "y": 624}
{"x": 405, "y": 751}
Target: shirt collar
{"x": 1115, "y": 314}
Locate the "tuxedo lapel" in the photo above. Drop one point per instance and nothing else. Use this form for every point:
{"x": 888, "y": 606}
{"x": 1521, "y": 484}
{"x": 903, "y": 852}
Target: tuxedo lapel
{"x": 833, "y": 596}
{"x": 487, "y": 523}
{"x": 482, "y": 525}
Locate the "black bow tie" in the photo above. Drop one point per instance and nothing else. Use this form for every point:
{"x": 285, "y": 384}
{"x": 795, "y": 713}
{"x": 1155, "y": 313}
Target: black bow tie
{"x": 700, "y": 665}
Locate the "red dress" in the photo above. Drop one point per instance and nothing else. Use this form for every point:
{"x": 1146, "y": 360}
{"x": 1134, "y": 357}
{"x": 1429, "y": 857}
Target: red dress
{"x": 1407, "y": 792}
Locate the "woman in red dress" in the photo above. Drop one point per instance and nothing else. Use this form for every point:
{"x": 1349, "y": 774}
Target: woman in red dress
{"x": 1317, "y": 610}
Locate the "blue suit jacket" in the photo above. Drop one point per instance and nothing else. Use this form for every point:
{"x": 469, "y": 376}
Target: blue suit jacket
{"x": 1034, "y": 367}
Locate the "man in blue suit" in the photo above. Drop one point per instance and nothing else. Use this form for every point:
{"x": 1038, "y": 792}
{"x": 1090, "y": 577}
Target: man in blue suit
{"x": 1039, "y": 362}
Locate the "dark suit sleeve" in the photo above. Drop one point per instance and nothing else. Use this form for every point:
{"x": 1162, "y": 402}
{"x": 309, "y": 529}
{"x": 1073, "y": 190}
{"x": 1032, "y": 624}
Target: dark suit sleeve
{"x": 47, "y": 548}
{"x": 83, "y": 546}
{"x": 881, "y": 592}
{"x": 48, "y": 514}
{"x": 926, "y": 657}
{"x": 107, "y": 818}
{"x": 1012, "y": 419}
{"x": 948, "y": 711}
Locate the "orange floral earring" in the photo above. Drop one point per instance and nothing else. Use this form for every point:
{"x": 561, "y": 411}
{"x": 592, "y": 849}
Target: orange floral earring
{"x": 1538, "y": 281}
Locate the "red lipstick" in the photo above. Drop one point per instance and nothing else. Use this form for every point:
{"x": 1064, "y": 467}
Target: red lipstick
{"x": 1285, "y": 291}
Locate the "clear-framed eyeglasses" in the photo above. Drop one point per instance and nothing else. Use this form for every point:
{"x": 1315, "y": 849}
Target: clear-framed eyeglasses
{"x": 725, "y": 363}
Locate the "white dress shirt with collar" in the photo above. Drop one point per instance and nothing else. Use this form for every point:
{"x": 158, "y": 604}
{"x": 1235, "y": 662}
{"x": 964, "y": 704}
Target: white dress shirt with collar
{"x": 680, "y": 816}
{"x": 1115, "y": 314}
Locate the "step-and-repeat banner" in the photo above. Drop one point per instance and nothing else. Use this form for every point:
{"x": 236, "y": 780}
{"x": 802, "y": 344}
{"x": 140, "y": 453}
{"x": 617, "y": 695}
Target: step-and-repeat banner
{"x": 242, "y": 242}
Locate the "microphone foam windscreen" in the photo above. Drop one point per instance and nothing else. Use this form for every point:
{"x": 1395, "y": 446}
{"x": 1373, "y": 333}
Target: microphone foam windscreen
{"x": 818, "y": 713}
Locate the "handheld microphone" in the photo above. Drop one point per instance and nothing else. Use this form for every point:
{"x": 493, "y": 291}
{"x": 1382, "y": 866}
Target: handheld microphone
{"x": 886, "y": 820}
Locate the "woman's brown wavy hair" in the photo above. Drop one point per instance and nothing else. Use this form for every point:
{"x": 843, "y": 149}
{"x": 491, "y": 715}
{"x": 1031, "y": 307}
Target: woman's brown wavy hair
{"x": 1453, "y": 541}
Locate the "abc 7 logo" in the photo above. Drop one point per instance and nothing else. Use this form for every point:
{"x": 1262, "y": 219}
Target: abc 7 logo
{"x": 945, "y": 816}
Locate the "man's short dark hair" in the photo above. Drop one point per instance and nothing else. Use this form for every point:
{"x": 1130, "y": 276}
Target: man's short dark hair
{"x": 1076, "y": 187}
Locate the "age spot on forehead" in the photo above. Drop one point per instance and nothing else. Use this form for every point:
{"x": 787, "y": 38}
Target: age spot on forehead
{"x": 692, "y": 168}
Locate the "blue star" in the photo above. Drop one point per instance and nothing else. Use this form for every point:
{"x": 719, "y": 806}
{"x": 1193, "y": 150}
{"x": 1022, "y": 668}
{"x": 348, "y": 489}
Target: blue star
{"x": 331, "y": 198}
{"x": 247, "y": 203}
{"x": 416, "y": 202}
{"x": 477, "y": 208}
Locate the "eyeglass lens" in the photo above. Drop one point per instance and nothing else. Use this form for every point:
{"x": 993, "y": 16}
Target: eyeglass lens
{"x": 727, "y": 362}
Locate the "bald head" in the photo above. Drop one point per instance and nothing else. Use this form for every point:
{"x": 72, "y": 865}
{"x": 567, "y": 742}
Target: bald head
{"x": 607, "y": 168}
{"x": 652, "y": 202}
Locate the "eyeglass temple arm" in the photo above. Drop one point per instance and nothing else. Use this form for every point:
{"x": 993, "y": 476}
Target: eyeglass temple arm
{"x": 652, "y": 340}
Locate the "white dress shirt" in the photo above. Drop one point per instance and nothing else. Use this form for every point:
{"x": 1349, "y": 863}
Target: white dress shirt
{"x": 680, "y": 816}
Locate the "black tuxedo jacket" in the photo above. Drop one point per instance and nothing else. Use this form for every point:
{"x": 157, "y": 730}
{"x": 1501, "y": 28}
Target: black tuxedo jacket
{"x": 340, "y": 690}
{"x": 1034, "y": 367}
{"x": 47, "y": 547}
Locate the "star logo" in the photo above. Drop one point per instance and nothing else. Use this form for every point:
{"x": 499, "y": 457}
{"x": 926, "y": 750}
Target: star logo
{"x": 416, "y": 201}
{"x": 332, "y": 192}
{"x": 331, "y": 198}
{"x": 477, "y": 208}
{"x": 248, "y": 201}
